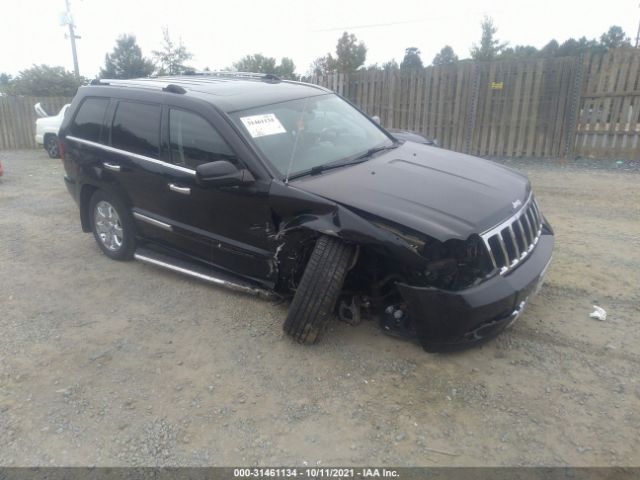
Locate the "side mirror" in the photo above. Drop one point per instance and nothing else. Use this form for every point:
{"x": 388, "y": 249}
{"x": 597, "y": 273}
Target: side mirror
{"x": 222, "y": 174}
{"x": 376, "y": 119}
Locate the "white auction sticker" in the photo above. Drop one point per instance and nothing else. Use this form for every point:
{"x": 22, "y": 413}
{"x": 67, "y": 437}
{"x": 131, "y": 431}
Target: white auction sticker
{"x": 263, "y": 125}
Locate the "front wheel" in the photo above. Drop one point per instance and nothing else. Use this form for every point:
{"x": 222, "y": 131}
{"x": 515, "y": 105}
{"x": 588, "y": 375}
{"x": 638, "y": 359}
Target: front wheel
{"x": 319, "y": 289}
{"x": 112, "y": 226}
{"x": 51, "y": 146}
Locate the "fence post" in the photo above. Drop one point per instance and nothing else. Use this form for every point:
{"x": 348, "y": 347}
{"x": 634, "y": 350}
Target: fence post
{"x": 473, "y": 106}
{"x": 392, "y": 88}
{"x": 572, "y": 115}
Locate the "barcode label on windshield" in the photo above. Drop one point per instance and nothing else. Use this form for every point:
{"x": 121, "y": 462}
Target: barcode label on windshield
{"x": 263, "y": 125}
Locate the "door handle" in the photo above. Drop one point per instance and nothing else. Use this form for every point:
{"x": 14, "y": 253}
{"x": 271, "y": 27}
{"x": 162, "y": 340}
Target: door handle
{"x": 183, "y": 190}
{"x": 111, "y": 166}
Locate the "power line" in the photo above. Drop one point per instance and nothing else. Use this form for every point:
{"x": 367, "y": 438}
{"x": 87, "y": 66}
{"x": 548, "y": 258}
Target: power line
{"x": 400, "y": 22}
{"x": 372, "y": 25}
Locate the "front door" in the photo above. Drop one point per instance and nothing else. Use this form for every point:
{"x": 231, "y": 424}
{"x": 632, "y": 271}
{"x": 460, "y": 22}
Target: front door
{"x": 234, "y": 221}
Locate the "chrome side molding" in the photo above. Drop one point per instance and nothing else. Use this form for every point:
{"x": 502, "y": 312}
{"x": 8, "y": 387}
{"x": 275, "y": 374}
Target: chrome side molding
{"x": 107, "y": 148}
{"x": 152, "y": 221}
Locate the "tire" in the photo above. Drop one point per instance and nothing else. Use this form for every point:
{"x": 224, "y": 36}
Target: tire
{"x": 112, "y": 226}
{"x": 51, "y": 146}
{"x": 319, "y": 289}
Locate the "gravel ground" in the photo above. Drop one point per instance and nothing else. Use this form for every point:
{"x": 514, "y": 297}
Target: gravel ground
{"x": 117, "y": 364}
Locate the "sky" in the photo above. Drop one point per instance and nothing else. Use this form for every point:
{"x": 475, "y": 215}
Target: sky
{"x": 219, "y": 33}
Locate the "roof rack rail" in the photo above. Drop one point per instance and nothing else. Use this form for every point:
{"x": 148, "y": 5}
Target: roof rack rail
{"x": 226, "y": 73}
{"x": 148, "y": 83}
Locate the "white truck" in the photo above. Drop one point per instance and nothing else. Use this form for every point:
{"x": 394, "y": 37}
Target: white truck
{"x": 47, "y": 129}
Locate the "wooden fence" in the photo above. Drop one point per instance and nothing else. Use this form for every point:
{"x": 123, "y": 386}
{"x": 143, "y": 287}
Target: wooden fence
{"x": 585, "y": 106}
{"x": 18, "y": 119}
{"x": 608, "y": 114}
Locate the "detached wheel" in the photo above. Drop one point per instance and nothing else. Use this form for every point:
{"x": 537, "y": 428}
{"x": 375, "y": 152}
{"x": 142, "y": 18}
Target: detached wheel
{"x": 319, "y": 289}
{"x": 112, "y": 226}
{"x": 51, "y": 146}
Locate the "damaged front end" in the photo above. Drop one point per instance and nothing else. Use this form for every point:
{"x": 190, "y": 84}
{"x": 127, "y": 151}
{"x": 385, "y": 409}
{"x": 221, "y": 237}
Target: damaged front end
{"x": 445, "y": 294}
{"x": 469, "y": 291}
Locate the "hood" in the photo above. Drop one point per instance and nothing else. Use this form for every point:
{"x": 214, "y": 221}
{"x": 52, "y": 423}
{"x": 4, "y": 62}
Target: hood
{"x": 437, "y": 192}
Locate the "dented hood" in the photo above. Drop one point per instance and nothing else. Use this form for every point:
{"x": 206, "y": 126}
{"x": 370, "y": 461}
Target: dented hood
{"x": 437, "y": 192}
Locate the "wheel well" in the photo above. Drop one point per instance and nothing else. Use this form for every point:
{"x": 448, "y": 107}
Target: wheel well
{"x": 85, "y": 216}
{"x": 47, "y": 135}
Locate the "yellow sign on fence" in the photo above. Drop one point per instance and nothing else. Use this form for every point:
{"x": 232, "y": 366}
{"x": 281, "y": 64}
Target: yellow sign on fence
{"x": 497, "y": 85}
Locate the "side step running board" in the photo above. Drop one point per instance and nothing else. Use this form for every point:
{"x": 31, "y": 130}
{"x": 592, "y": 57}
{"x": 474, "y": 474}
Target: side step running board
{"x": 199, "y": 272}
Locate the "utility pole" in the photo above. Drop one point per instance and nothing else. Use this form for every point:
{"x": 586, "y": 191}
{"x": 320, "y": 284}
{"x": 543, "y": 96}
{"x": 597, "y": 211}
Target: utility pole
{"x": 72, "y": 37}
{"x": 638, "y": 35}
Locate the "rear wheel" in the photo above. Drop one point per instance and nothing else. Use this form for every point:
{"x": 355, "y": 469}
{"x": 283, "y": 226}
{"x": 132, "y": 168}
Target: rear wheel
{"x": 319, "y": 289}
{"x": 112, "y": 226}
{"x": 51, "y": 146}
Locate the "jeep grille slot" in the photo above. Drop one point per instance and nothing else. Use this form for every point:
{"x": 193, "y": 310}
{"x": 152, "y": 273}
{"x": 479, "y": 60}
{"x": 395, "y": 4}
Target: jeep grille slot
{"x": 512, "y": 241}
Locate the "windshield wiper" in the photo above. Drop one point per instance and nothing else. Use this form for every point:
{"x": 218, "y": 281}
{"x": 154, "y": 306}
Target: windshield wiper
{"x": 375, "y": 150}
{"x": 359, "y": 159}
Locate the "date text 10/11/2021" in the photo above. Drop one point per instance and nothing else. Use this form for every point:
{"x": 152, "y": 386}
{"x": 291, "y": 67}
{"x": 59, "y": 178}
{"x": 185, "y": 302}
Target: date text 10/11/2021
{"x": 315, "y": 472}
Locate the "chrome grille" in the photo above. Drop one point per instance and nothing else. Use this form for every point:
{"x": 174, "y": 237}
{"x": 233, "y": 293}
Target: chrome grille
{"x": 509, "y": 243}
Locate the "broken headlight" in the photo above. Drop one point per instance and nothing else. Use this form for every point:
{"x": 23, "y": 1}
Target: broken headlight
{"x": 456, "y": 264}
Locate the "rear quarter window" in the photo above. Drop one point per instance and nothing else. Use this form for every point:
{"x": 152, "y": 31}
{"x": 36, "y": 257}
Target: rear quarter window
{"x": 89, "y": 119}
{"x": 136, "y": 128}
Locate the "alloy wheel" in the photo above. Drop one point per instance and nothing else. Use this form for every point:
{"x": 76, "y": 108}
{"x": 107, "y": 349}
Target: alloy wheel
{"x": 108, "y": 226}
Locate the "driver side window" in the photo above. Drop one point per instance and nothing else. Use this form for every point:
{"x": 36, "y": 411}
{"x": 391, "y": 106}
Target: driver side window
{"x": 194, "y": 141}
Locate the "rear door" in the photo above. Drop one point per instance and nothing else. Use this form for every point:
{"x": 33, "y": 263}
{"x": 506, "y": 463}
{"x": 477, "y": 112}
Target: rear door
{"x": 84, "y": 143}
{"x": 138, "y": 160}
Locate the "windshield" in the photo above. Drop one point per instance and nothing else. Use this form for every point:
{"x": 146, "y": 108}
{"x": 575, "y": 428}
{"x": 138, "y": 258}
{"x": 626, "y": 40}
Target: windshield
{"x": 299, "y": 135}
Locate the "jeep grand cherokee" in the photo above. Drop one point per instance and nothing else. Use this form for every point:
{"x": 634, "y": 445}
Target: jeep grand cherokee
{"x": 284, "y": 188}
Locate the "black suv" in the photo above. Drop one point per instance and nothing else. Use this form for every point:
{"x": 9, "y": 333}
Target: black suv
{"x": 284, "y": 188}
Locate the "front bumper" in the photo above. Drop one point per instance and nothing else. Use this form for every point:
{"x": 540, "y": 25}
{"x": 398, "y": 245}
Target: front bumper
{"x": 452, "y": 320}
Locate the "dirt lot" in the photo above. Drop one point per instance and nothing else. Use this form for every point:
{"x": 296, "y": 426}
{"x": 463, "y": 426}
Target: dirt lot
{"x": 108, "y": 363}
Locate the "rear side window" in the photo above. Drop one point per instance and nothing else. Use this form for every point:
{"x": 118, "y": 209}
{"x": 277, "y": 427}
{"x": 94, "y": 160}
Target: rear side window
{"x": 194, "y": 141}
{"x": 136, "y": 128}
{"x": 88, "y": 120}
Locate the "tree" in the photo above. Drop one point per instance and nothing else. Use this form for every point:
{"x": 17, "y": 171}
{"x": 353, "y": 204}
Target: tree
{"x": 490, "y": 47}
{"x": 550, "y": 49}
{"x": 572, "y": 47}
{"x": 171, "y": 59}
{"x": 411, "y": 59}
{"x": 390, "y": 66}
{"x": 519, "y": 52}
{"x": 126, "y": 60}
{"x": 350, "y": 54}
{"x": 256, "y": 63}
{"x": 445, "y": 56}
{"x": 5, "y": 81}
{"x": 44, "y": 81}
{"x": 319, "y": 67}
{"x": 286, "y": 69}
{"x": 614, "y": 38}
